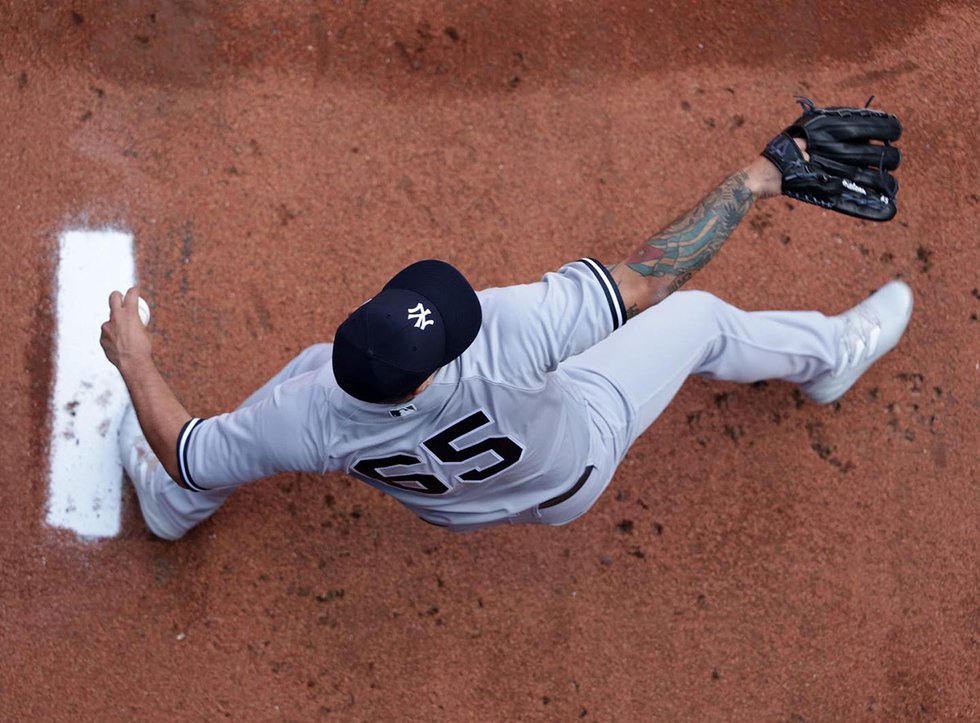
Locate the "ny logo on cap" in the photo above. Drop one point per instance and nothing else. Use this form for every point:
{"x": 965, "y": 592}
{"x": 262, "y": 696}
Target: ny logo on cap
{"x": 420, "y": 314}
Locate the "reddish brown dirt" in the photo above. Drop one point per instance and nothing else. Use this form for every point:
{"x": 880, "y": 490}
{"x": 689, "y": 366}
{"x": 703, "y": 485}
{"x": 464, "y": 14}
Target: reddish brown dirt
{"x": 756, "y": 558}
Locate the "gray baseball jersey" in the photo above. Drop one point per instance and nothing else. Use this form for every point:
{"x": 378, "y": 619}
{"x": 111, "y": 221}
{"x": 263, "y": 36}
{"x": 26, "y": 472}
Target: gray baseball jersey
{"x": 501, "y": 430}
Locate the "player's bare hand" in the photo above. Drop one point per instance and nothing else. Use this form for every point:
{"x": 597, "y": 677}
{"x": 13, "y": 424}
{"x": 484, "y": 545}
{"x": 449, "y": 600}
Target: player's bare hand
{"x": 124, "y": 338}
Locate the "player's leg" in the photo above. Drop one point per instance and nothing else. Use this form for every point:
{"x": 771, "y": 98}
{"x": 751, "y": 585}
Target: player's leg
{"x": 630, "y": 377}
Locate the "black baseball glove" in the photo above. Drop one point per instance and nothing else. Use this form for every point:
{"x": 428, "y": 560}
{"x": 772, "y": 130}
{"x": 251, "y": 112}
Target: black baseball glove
{"x": 850, "y": 155}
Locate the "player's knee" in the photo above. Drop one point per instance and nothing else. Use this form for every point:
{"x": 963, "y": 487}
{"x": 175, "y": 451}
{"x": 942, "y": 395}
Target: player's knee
{"x": 700, "y": 307}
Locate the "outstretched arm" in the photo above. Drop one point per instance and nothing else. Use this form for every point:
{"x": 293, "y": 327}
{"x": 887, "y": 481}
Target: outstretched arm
{"x": 128, "y": 346}
{"x": 668, "y": 259}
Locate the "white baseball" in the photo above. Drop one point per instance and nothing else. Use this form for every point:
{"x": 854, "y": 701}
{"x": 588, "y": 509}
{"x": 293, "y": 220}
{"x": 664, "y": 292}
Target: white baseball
{"x": 144, "y": 311}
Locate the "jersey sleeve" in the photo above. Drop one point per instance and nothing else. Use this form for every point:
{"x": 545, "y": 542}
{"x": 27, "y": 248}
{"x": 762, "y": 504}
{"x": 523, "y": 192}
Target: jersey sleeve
{"x": 284, "y": 432}
{"x": 534, "y": 327}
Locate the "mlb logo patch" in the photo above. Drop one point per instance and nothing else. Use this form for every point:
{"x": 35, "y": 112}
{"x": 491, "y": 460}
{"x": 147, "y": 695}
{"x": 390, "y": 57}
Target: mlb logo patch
{"x": 403, "y": 411}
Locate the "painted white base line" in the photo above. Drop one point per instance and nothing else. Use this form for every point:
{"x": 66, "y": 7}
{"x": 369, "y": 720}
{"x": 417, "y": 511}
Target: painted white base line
{"x": 85, "y": 482}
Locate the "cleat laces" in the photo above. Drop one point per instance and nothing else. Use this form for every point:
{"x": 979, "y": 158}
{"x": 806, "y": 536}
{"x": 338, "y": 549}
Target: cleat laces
{"x": 859, "y": 340}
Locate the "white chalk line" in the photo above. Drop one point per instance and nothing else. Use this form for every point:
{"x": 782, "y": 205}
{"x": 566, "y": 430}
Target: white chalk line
{"x": 85, "y": 476}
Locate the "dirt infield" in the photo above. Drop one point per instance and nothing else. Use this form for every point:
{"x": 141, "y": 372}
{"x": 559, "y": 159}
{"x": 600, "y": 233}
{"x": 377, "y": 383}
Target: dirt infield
{"x": 757, "y": 557}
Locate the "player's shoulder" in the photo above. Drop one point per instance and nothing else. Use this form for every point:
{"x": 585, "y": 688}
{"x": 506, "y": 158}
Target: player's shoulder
{"x": 496, "y": 299}
{"x": 583, "y": 281}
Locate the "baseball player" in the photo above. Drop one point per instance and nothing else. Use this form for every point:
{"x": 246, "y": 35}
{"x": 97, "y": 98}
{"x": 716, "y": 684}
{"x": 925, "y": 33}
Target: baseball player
{"x": 516, "y": 404}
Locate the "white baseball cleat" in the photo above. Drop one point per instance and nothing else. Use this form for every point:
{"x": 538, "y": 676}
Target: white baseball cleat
{"x": 872, "y": 329}
{"x": 140, "y": 464}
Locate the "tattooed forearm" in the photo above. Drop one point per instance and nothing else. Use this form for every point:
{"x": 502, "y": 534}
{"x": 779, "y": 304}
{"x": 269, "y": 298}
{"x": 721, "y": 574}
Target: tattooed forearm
{"x": 670, "y": 258}
{"x": 690, "y": 241}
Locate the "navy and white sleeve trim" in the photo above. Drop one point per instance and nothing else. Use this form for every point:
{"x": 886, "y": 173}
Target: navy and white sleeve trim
{"x": 183, "y": 444}
{"x": 615, "y": 300}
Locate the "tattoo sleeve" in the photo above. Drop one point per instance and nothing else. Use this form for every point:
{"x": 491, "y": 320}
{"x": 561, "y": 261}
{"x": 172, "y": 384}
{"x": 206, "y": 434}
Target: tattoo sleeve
{"x": 670, "y": 258}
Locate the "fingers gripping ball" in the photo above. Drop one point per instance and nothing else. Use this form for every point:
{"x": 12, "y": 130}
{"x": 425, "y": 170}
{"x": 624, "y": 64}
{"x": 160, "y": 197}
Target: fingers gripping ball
{"x": 850, "y": 154}
{"x": 144, "y": 311}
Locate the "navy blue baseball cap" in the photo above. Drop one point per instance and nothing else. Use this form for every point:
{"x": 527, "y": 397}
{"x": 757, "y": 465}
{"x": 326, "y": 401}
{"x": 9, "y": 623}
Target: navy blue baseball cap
{"x": 422, "y": 319}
